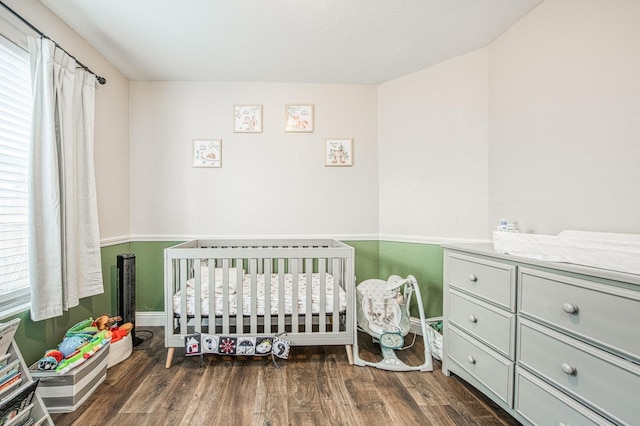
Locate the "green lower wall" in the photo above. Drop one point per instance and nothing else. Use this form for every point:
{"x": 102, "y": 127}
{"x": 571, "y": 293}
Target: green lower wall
{"x": 380, "y": 259}
{"x": 374, "y": 259}
{"x": 150, "y": 274}
{"x": 424, "y": 262}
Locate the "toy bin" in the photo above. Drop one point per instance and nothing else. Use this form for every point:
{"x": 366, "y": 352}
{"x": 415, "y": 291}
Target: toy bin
{"x": 119, "y": 351}
{"x": 64, "y": 393}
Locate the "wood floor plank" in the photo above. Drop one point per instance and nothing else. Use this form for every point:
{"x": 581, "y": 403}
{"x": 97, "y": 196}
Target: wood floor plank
{"x": 336, "y": 407}
{"x": 237, "y": 401}
{"x": 271, "y": 406}
{"x": 207, "y": 392}
{"x": 402, "y": 407}
{"x": 367, "y": 406}
{"x": 440, "y": 415}
{"x": 302, "y": 380}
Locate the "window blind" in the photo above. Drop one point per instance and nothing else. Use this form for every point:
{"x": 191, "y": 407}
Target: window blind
{"x": 15, "y": 125}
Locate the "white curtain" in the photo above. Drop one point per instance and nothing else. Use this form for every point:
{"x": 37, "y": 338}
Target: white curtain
{"x": 64, "y": 240}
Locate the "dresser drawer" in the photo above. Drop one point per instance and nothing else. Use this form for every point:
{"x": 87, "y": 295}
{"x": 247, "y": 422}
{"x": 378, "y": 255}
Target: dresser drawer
{"x": 492, "y": 325}
{"x": 605, "y": 315}
{"x": 491, "y": 369}
{"x": 608, "y": 383}
{"x": 542, "y": 404}
{"x": 492, "y": 281}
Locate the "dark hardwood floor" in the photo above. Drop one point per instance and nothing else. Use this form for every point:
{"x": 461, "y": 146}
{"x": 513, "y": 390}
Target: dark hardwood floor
{"x": 315, "y": 386}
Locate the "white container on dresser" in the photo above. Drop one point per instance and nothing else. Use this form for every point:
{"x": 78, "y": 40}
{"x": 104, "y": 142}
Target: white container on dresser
{"x": 551, "y": 343}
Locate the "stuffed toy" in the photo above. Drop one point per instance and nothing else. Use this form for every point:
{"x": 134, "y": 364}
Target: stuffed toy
{"x": 121, "y": 331}
{"x": 105, "y": 322}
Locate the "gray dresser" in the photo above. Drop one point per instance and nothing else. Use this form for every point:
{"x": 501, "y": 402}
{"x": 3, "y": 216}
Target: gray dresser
{"x": 551, "y": 343}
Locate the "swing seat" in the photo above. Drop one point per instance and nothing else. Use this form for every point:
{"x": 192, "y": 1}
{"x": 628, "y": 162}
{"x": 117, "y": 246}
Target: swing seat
{"x": 383, "y": 313}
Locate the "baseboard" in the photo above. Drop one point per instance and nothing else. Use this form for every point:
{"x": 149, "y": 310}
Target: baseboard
{"x": 415, "y": 324}
{"x": 150, "y": 319}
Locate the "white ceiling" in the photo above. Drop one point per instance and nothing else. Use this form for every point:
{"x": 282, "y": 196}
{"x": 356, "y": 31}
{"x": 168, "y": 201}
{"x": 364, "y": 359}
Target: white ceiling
{"x": 305, "y": 41}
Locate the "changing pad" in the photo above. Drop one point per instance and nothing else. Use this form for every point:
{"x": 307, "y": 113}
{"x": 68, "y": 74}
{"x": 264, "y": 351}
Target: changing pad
{"x": 617, "y": 252}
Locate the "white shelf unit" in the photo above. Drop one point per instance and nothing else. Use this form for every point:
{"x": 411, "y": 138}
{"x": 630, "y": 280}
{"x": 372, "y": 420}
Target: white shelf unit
{"x": 39, "y": 412}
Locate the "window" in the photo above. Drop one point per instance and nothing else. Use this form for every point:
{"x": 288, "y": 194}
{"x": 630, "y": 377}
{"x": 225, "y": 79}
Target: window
{"x": 15, "y": 125}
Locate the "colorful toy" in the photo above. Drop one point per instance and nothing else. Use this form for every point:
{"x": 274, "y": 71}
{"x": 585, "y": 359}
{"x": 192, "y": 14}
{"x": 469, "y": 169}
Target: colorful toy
{"x": 104, "y": 322}
{"x": 73, "y": 342}
{"x": 84, "y": 352}
{"x": 47, "y": 363}
{"x": 82, "y": 340}
{"x": 83, "y": 327}
{"x": 57, "y": 355}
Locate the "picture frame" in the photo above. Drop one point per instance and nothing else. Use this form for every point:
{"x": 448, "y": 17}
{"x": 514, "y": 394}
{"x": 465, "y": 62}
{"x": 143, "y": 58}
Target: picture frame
{"x": 298, "y": 118}
{"x": 338, "y": 153}
{"x": 247, "y": 118}
{"x": 207, "y": 153}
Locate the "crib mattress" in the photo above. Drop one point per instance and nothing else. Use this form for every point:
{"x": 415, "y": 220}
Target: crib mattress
{"x": 259, "y": 309}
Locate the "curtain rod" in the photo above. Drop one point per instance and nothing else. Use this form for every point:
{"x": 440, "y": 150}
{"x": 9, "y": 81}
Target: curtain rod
{"x": 100, "y": 79}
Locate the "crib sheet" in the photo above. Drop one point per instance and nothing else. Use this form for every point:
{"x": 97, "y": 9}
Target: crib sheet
{"x": 260, "y": 296}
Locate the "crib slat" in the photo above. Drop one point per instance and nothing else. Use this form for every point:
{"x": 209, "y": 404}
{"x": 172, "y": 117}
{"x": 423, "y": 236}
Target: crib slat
{"x": 239, "y": 293}
{"x": 267, "y": 296}
{"x": 295, "y": 285}
{"x": 281, "y": 312}
{"x": 225, "y": 296}
{"x": 335, "y": 323}
{"x": 322, "y": 299}
{"x": 253, "y": 305}
{"x": 308, "y": 315}
{"x": 197, "y": 291}
{"x": 211, "y": 300}
{"x": 183, "y": 296}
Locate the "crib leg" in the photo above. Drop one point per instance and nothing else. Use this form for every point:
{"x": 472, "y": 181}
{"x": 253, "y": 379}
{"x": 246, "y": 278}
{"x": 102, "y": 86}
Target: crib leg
{"x": 169, "y": 357}
{"x": 349, "y": 350}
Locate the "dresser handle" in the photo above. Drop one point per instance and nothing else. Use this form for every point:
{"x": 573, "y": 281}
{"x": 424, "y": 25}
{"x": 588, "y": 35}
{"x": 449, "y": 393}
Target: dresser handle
{"x": 570, "y": 308}
{"x": 473, "y": 318}
{"x": 568, "y": 369}
{"x": 562, "y": 424}
{"x": 473, "y": 278}
{"x": 471, "y": 359}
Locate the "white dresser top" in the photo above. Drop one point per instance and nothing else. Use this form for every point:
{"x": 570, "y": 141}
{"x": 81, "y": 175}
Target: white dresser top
{"x": 486, "y": 249}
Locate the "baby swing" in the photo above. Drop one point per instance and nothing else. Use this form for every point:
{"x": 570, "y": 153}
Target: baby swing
{"x": 383, "y": 313}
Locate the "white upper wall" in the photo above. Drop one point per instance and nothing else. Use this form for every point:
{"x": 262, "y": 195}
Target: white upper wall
{"x": 433, "y": 152}
{"x": 564, "y": 148}
{"x": 540, "y": 128}
{"x": 111, "y": 123}
{"x": 271, "y": 183}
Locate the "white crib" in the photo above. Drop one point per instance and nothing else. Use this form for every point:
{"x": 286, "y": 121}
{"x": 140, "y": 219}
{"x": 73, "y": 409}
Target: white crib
{"x": 302, "y": 290}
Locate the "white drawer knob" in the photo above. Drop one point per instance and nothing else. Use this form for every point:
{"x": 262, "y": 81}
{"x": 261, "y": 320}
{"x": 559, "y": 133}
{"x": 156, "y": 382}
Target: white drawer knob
{"x": 562, "y": 424}
{"x": 568, "y": 369}
{"x": 473, "y": 278}
{"x": 471, "y": 359}
{"x": 473, "y": 318}
{"x": 570, "y": 308}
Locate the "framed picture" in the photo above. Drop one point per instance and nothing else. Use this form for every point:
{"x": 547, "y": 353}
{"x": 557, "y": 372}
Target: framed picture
{"x": 247, "y": 118}
{"x": 338, "y": 152}
{"x": 298, "y": 118}
{"x": 207, "y": 153}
